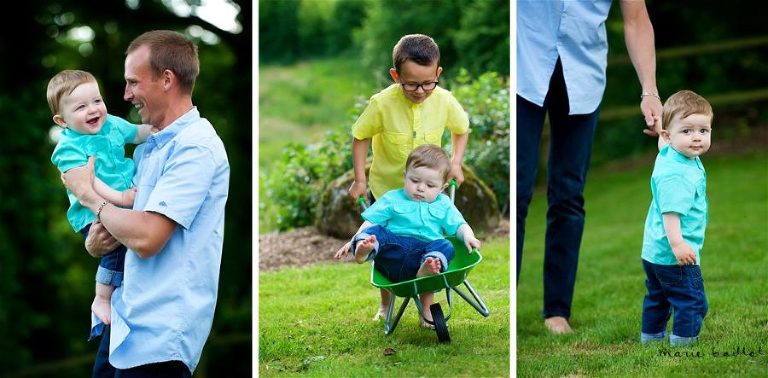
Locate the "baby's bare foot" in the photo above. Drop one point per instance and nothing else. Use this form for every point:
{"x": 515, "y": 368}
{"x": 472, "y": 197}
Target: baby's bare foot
{"x": 430, "y": 266}
{"x": 364, "y": 247}
{"x": 103, "y": 309}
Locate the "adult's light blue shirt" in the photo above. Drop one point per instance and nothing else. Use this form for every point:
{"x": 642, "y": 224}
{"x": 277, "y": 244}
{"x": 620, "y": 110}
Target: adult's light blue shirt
{"x": 164, "y": 309}
{"x": 679, "y": 185}
{"x": 422, "y": 220}
{"x": 111, "y": 166}
{"x": 574, "y": 31}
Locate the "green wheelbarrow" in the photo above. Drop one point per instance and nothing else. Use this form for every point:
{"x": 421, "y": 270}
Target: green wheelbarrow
{"x": 456, "y": 275}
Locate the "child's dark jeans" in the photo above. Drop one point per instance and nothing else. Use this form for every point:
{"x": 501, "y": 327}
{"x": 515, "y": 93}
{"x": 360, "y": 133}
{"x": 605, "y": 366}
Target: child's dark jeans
{"x": 673, "y": 288}
{"x": 399, "y": 257}
{"x": 110, "y": 270}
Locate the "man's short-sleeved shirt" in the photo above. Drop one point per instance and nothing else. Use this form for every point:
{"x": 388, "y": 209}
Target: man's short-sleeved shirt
{"x": 397, "y": 126}
{"x": 422, "y": 220}
{"x": 164, "y": 309}
{"x": 678, "y": 185}
{"x": 111, "y": 165}
{"x": 574, "y": 32}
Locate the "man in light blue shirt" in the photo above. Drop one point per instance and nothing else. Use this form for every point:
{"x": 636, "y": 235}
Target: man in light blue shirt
{"x": 561, "y": 62}
{"x": 162, "y": 315}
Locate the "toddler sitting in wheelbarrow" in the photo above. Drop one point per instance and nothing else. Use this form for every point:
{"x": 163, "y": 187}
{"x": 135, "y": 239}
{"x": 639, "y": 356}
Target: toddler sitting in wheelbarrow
{"x": 404, "y": 231}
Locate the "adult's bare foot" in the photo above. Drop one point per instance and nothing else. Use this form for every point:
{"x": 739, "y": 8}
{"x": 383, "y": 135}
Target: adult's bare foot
{"x": 558, "y": 325}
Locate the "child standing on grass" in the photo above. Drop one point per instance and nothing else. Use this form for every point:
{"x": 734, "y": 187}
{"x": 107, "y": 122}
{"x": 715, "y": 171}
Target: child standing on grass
{"x": 77, "y": 107}
{"x": 403, "y": 232}
{"x": 676, "y": 221}
{"x": 411, "y": 112}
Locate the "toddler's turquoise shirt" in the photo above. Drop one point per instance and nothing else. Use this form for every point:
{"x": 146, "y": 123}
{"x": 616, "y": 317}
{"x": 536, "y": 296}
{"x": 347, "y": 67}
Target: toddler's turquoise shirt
{"x": 679, "y": 185}
{"x": 422, "y": 220}
{"x": 111, "y": 166}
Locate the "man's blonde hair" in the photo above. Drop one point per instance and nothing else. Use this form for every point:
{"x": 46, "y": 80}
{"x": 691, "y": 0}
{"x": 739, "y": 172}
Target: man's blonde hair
{"x": 430, "y": 156}
{"x": 63, "y": 83}
{"x": 684, "y": 103}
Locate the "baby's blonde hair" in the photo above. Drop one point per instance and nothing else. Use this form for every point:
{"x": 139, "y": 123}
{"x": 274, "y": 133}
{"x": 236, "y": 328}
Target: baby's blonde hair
{"x": 430, "y": 156}
{"x": 63, "y": 83}
{"x": 684, "y": 103}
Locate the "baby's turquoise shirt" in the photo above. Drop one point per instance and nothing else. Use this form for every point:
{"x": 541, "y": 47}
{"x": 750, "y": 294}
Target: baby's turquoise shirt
{"x": 422, "y": 220}
{"x": 111, "y": 166}
{"x": 679, "y": 185}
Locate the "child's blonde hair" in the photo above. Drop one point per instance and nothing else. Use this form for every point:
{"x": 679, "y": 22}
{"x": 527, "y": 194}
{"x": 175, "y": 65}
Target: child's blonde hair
{"x": 430, "y": 156}
{"x": 63, "y": 83}
{"x": 684, "y": 103}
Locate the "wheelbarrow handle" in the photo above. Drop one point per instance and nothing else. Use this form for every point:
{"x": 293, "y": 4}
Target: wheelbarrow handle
{"x": 452, "y": 189}
{"x": 361, "y": 201}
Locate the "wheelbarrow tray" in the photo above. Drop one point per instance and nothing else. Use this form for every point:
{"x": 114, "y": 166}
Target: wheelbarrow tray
{"x": 457, "y": 272}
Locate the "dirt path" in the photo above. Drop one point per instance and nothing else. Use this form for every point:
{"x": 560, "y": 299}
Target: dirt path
{"x": 305, "y": 246}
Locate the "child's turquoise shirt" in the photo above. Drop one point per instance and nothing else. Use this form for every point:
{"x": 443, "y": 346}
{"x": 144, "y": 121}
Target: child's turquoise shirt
{"x": 422, "y": 220}
{"x": 111, "y": 166}
{"x": 679, "y": 185}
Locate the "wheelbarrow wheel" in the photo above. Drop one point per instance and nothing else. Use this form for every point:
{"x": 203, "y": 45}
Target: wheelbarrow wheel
{"x": 440, "y": 325}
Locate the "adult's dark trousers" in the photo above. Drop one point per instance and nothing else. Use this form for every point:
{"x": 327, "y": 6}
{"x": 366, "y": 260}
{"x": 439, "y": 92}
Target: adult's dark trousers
{"x": 570, "y": 146}
{"x": 103, "y": 369}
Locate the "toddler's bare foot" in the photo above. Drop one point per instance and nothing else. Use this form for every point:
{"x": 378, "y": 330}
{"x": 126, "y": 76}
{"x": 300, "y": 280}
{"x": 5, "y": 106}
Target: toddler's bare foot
{"x": 381, "y": 313}
{"x": 430, "y": 266}
{"x": 103, "y": 309}
{"x": 364, "y": 247}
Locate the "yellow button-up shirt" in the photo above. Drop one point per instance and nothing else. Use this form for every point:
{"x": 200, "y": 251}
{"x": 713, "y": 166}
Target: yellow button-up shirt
{"x": 397, "y": 126}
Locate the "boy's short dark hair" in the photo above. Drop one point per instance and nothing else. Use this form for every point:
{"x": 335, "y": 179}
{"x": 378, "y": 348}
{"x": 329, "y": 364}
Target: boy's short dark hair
{"x": 431, "y": 156}
{"x": 419, "y": 48}
{"x": 684, "y": 103}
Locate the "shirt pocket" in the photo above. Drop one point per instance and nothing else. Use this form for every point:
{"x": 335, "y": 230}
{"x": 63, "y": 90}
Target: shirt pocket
{"x": 398, "y": 144}
{"x": 437, "y": 212}
{"x": 404, "y": 208}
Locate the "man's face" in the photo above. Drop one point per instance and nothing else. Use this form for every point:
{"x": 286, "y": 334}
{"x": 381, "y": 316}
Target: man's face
{"x": 142, "y": 89}
{"x": 414, "y": 75}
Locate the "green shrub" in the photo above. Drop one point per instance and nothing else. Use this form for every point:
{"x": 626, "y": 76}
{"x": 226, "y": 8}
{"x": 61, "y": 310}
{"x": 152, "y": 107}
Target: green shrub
{"x": 293, "y": 185}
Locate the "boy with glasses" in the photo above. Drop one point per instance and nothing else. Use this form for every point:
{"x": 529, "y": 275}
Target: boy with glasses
{"x": 411, "y": 112}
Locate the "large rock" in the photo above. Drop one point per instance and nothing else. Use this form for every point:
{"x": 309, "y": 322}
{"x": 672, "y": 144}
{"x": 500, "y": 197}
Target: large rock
{"x": 339, "y": 216}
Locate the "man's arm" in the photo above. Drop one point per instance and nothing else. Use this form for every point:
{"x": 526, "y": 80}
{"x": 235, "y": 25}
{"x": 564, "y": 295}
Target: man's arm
{"x": 142, "y": 231}
{"x": 459, "y": 144}
{"x": 359, "y": 155}
{"x": 639, "y": 38}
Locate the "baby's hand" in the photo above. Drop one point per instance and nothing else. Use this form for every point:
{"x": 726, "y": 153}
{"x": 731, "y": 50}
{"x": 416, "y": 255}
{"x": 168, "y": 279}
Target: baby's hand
{"x": 343, "y": 251}
{"x": 472, "y": 242}
{"x": 684, "y": 254}
{"x": 127, "y": 197}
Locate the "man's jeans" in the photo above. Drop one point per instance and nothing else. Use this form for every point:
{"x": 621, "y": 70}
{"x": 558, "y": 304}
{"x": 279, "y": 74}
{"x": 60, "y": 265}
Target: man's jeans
{"x": 570, "y": 149}
{"x": 673, "y": 288}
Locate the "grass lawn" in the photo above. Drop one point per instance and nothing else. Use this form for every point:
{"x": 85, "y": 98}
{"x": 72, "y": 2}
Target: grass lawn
{"x": 610, "y": 284}
{"x": 316, "y": 321}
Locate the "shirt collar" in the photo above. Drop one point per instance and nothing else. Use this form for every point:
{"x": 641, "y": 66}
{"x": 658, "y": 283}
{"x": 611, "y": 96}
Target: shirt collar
{"x": 162, "y": 137}
{"x": 677, "y": 156}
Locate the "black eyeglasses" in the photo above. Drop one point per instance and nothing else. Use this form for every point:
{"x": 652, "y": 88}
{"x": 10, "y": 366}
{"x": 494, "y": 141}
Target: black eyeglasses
{"x": 410, "y": 87}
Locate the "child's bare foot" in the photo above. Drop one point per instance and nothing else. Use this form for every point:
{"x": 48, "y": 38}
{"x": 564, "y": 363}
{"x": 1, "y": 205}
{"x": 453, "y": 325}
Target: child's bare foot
{"x": 103, "y": 309}
{"x": 381, "y": 313}
{"x": 364, "y": 248}
{"x": 426, "y": 299}
{"x": 430, "y": 266}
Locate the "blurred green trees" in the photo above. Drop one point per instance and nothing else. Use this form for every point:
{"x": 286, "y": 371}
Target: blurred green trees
{"x": 471, "y": 34}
